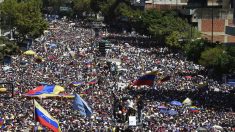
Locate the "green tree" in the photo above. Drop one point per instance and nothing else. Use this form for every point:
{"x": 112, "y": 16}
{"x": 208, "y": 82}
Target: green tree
{"x": 8, "y": 48}
{"x": 231, "y": 52}
{"x": 25, "y": 16}
{"x": 194, "y": 49}
{"x": 8, "y": 10}
{"x": 80, "y": 6}
{"x": 165, "y": 25}
{"x": 29, "y": 19}
{"x": 173, "y": 39}
{"x": 215, "y": 58}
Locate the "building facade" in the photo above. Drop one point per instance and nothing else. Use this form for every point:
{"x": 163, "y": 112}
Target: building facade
{"x": 214, "y": 18}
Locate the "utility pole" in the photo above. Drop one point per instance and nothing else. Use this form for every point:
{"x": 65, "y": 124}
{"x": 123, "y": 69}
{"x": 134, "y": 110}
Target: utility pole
{"x": 212, "y": 20}
{"x": 233, "y": 5}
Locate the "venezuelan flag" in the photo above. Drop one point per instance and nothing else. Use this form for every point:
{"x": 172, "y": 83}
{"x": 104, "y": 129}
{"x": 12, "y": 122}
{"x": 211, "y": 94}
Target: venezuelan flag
{"x": 92, "y": 81}
{"x": 46, "y": 89}
{"x": 43, "y": 117}
{"x": 147, "y": 79}
{"x": 194, "y": 109}
{"x": 77, "y": 83}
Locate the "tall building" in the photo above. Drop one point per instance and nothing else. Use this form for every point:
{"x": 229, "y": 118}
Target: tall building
{"x": 165, "y": 4}
{"x": 214, "y": 18}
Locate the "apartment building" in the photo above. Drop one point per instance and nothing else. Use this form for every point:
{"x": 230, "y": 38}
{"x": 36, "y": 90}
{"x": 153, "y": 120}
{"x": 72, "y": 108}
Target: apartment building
{"x": 216, "y": 21}
{"x": 165, "y": 4}
{"x": 214, "y": 18}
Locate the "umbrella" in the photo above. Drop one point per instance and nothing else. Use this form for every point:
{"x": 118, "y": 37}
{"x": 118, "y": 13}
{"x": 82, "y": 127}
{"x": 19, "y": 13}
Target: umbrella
{"x": 218, "y": 127}
{"x": 6, "y": 68}
{"x": 161, "y": 107}
{"x": 188, "y": 77}
{"x": 29, "y": 52}
{"x": 43, "y": 83}
{"x": 163, "y": 111}
{"x": 200, "y": 76}
{"x": 3, "y": 89}
{"x": 52, "y": 45}
{"x": 176, "y": 103}
{"x": 201, "y": 129}
{"x": 23, "y": 62}
{"x": 172, "y": 112}
{"x": 38, "y": 59}
{"x": 51, "y": 57}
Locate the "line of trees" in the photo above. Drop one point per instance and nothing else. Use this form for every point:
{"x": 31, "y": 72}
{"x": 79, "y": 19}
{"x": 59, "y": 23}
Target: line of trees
{"x": 23, "y": 18}
{"x": 8, "y": 48}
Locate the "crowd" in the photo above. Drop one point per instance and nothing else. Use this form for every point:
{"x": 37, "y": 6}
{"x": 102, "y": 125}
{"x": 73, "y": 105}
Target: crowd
{"x": 69, "y": 54}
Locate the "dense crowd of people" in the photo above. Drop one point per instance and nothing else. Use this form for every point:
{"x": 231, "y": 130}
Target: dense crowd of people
{"x": 68, "y": 54}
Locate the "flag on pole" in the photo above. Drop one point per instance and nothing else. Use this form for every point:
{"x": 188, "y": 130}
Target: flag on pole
{"x": 147, "y": 79}
{"x": 82, "y": 106}
{"x": 43, "y": 117}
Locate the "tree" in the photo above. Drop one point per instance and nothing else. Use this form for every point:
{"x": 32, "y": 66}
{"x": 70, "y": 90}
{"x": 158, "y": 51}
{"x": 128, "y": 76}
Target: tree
{"x": 173, "y": 39}
{"x": 80, "y": 6}
{"x": 25, "y": 16}
{"x": 165, "y": 24}
{"x": 8, "y": 48}
{"x": 215, "y": 58}
{"x": 230, "y": 50}
{"x": 29, "y": 19}
{"x": 8, "y": 10}
{"x": 194, "y": 49}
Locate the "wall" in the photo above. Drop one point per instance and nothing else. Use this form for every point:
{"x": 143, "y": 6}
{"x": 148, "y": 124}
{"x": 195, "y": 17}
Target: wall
{"x": 219, "y": 30}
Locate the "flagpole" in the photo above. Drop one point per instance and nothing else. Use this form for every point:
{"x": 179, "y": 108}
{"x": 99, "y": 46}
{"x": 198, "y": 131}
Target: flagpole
{"x": 34, "y": 110}
{"x": 34, "y": 115}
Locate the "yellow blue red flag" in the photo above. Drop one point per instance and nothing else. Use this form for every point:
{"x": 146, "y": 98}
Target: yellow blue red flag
{"x": 44, "y": 118}
{"x": 147, "y": 79}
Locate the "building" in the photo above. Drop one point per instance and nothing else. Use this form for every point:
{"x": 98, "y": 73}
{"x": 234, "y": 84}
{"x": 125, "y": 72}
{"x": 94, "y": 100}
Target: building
{"x": 214, "y": 18}
{"x": 138, "y": 3}
{"x": 165, "y": 4}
